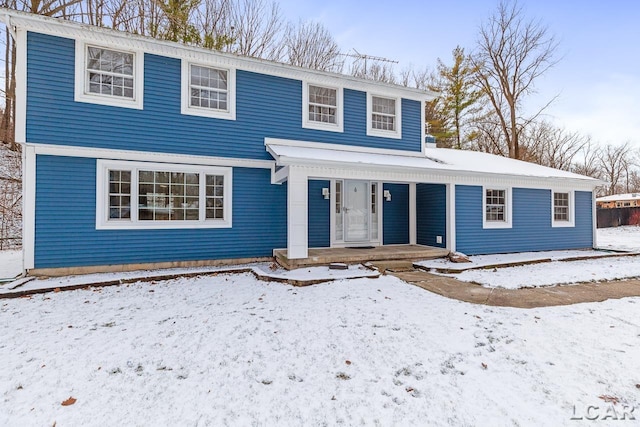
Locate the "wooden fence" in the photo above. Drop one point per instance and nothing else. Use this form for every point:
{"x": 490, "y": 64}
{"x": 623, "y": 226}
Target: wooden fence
{"x": 616, "y": 217}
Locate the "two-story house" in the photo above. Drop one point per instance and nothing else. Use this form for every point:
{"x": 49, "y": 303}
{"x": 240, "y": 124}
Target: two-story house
{"x": 140, "y": 152}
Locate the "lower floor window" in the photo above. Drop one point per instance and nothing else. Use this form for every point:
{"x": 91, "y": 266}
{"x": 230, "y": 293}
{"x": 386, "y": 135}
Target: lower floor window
{"x": 495, "y": 205}
{"x": 167, "y": 195}
{"x": 561, "y": 206}
{"x": 563, "y": 214}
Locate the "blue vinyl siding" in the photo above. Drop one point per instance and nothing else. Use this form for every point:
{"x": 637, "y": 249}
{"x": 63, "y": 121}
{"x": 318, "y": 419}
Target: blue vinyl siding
{"x": 66, "y": 215}
{"x": 531, "y": 228}
{"x": 431, "y": 214}
{"x": 266, "y": 106}
{"x": 395, "y": 214}
{"x": 319, "y": 215}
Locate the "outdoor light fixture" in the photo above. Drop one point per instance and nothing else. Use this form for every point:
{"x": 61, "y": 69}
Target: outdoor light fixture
{"x": 325, "y": 193}
{"x": 387, "y": 195}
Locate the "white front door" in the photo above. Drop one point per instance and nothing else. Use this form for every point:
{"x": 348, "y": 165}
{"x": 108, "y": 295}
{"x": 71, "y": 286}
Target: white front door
{"x": 356, "y": 211}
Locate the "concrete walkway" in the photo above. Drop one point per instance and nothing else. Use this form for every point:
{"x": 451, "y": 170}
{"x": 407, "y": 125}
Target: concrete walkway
{"x": 520, "y": 298}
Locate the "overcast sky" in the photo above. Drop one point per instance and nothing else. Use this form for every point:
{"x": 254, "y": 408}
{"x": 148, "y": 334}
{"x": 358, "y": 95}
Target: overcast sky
{"x": 597, "y": 79}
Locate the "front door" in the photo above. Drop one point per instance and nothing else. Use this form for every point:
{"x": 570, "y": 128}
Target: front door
{"x": 356, "y": 211}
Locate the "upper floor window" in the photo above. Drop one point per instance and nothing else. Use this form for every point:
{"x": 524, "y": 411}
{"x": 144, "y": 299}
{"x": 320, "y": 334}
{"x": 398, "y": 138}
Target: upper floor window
{"x": 109, "y": 72}
{"x": 384, "y": 116}
{"x": 496, "y": 206}
{"x": 322, "y": 107}
{"x": 208, "y": 91}
{"x": 563, "y": 212}
{"x": 108, "y": 76}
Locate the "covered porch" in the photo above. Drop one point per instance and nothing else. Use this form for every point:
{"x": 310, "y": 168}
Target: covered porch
{"x": 356, "y": 204}
{"x": 350, "y": 255}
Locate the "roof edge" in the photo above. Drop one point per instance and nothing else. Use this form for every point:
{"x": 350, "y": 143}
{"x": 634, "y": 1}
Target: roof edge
{"x": 77, "y": 30}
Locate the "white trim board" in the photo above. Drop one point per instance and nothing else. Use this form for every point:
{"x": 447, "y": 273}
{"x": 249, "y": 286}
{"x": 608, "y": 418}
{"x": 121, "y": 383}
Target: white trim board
{"x": 28, "y": 207}
{"x": 21, "y": 86}
{"x": 339, "y": 147}
{"x": 146, "y": 156}
{"x": 340, "y": 161}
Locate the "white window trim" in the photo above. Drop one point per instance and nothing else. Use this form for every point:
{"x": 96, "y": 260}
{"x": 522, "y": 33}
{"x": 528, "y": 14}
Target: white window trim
{"x": 185, "y": 104}
{"x": 397, "y": 133}
{"x": 102, "y": 196}
{"x": 508, "y": 222}
{"x": 572, "y": 211}
{"x": 309, "y": 124}
{"x": 81, "y": 93}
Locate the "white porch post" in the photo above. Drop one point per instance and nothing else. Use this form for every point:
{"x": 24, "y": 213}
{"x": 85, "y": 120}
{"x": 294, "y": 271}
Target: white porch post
{"x": 413, "y": 220}
{"x": 297, "y": 214}
{"x": 451, "y": 217}
{"x": 594, "y": 218}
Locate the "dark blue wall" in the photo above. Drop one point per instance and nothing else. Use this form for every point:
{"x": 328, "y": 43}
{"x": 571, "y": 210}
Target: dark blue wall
{"x": 319, "y": 215}
{"x": 531, "y": 228}
{"x": 66, "y": 232}
{"x": 267, "y": 106}
{"x": 431, "y": 214}
{"x": 395, "y": 215}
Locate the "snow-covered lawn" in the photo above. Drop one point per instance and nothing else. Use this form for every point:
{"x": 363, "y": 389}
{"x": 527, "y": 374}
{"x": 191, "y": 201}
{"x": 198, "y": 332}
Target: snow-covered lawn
{"x": 554, "y": 273}
{"x": 626, "y": 238}
{"x": 232, "y": 350}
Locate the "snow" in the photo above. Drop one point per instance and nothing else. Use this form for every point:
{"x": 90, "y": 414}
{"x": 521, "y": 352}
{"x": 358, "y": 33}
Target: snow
{"x": 619, "y": 197}
{"x": 554, "y": 273}
{"x": 481, "y": 261}
{"x": 232, "y": 350}
{"x": 299, "y": 276}
{"x": 439, "y": 159}
{"x": 626, "y": 238}
{"x": 10, "y": 264}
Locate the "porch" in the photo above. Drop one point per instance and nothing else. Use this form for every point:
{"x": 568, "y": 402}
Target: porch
{"x": 325, "y": 256}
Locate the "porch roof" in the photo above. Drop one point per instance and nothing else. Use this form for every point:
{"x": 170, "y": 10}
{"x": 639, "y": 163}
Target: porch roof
{"x": 448, "y": 164}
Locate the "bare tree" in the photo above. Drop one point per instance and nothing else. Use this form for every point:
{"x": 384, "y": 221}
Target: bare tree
{"x": 311, "y": 45}
{"x": 512, "y": 53}
{"x": 212, "y": 19}
{"x": 589, "y": 160}
{"x": 257, "y": 27}
{"x": 615, "y": 161}
{"x": 489, "y": 137}
{"x": 373, "y": 69}
{"x": 549, "y": 145}
{"x": 10, "y": 198}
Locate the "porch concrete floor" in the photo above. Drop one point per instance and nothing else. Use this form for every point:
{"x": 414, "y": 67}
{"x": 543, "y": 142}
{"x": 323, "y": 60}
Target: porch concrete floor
{"x": 324, "y": 256}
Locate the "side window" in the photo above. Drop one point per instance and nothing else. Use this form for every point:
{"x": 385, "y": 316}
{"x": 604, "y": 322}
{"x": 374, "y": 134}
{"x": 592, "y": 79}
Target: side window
{"x": 496, "y": 207}
{"x": 563, "y": 213}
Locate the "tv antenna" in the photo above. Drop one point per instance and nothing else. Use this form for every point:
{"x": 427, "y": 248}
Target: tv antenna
{"x": 364, "y": 57}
